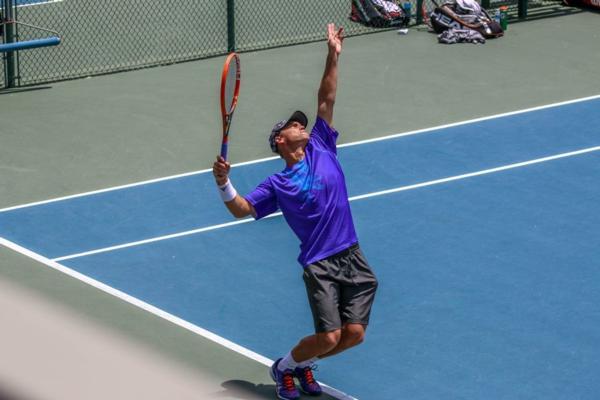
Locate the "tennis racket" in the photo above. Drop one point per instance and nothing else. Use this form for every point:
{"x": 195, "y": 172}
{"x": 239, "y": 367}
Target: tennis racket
{"x": 230, "y": 89}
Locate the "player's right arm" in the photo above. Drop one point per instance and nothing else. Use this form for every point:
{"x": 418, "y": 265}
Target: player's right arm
{"x": 328, "y": 87}
{"x": 236, "y": 204}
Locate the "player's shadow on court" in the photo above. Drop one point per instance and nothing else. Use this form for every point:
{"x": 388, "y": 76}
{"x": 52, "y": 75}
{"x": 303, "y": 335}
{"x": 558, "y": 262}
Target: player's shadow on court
{"x": 244, "y": 390}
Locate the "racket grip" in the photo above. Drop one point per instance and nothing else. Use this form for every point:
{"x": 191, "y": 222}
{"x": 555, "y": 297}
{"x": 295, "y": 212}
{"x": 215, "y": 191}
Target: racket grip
{"x": 224, "y": 151}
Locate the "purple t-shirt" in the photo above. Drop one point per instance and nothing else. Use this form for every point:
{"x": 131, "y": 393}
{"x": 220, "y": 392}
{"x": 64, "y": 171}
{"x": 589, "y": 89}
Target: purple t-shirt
{"x": 313, "y": 198}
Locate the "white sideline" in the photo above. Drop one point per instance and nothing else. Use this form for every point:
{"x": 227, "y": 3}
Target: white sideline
{"x": 158, "y": 312}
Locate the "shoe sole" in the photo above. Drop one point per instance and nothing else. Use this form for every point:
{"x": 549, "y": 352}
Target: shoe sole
{"x": 309, "y": 393}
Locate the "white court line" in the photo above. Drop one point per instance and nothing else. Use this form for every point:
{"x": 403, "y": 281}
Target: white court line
{"x": 353, "y": 198}
{"x": 158, "y": 312}
{"x": 39, "y": 3}
{"x": 156, "y": 239}
{"x": 415, "y": 132}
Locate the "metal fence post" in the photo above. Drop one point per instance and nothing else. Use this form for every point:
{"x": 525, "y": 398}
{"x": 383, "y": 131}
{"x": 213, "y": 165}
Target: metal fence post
{"x": 523, "y": 9}
{"x": 419, "y": 12}
{"x": 10, "y": 57}
{"x": 10, "y": 61}
{"x": 230, "y": 25}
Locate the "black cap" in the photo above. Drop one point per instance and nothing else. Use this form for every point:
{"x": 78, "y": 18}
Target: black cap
{"x": 297, "y": 116}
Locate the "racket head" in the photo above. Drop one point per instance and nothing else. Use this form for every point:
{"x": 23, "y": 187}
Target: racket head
{"x": 230, "y": 84}
{"x": 230, "y": 89}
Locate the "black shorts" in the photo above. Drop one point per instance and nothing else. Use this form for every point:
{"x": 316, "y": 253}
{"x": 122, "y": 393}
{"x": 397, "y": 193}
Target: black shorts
{"x": 341, "y": 289}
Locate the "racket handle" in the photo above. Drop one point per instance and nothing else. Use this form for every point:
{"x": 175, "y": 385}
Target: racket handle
{"x": 224, "y": 151}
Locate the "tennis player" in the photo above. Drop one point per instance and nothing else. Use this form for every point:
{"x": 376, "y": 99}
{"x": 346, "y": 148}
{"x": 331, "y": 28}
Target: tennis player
{"x": 311, "y": 193}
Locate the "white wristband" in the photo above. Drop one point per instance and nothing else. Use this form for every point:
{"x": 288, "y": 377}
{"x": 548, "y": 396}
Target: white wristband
{"x": 227, "y": 191}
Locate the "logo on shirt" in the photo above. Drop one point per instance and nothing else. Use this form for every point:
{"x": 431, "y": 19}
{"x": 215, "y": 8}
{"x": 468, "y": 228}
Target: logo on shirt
{"x": 308, "y": 184}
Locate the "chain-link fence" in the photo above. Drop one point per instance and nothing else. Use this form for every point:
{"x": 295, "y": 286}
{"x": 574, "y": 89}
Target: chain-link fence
{"x": 116, "y": 35}
{"x": 533, "y": 8}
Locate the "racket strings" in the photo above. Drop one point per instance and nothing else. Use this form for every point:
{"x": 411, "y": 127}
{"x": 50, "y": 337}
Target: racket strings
{"x": 230, "y": 84}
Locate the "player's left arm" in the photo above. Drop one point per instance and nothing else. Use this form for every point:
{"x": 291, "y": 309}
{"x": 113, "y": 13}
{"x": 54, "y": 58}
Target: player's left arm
{"x": 328, "y": 87}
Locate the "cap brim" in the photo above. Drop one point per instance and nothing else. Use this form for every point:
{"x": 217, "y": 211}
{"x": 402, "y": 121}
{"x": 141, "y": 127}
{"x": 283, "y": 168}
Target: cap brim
{"x": 298, "y": 116}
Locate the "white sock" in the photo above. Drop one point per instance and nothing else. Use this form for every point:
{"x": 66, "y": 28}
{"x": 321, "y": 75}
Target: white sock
{"x": 307, "y": 363}
{"x": 287, "y": 362}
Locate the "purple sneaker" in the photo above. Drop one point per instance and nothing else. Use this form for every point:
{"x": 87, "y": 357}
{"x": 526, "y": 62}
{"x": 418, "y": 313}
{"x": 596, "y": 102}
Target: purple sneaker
{"x": 284, "y": 382}
{"x": 308, "y": 383}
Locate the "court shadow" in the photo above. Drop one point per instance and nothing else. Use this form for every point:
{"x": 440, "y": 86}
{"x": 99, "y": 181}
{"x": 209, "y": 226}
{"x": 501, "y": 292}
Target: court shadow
{"x": 240, "y": 389}
{"x": 23, "y": 89}
{"x": 6, "y": 394}
{"x": 244, "y": 390}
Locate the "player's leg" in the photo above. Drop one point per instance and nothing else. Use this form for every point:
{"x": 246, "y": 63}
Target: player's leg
{"x": 358, "y": 286}
{"x": 323, "y": 294}
{"x": 299, "y": 363}
{"x": 352, "y": 334}
{"x": 314, "y": 345}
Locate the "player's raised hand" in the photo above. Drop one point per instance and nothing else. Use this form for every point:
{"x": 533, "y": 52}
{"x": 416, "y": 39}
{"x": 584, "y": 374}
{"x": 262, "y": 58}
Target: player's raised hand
{"x": 335, "y": 38}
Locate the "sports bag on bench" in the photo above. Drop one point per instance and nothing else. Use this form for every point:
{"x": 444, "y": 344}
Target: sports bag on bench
{"x": 464, "y": 14}
{"x": 377, "y": 13}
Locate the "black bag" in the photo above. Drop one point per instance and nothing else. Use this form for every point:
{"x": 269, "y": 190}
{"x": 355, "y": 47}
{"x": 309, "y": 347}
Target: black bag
{"x": 449, "y": 16}
{"x": 378, "y": 13}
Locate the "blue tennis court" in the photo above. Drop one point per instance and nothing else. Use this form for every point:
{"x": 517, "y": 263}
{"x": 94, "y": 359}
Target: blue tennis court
{"x": 484, "y": 236}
